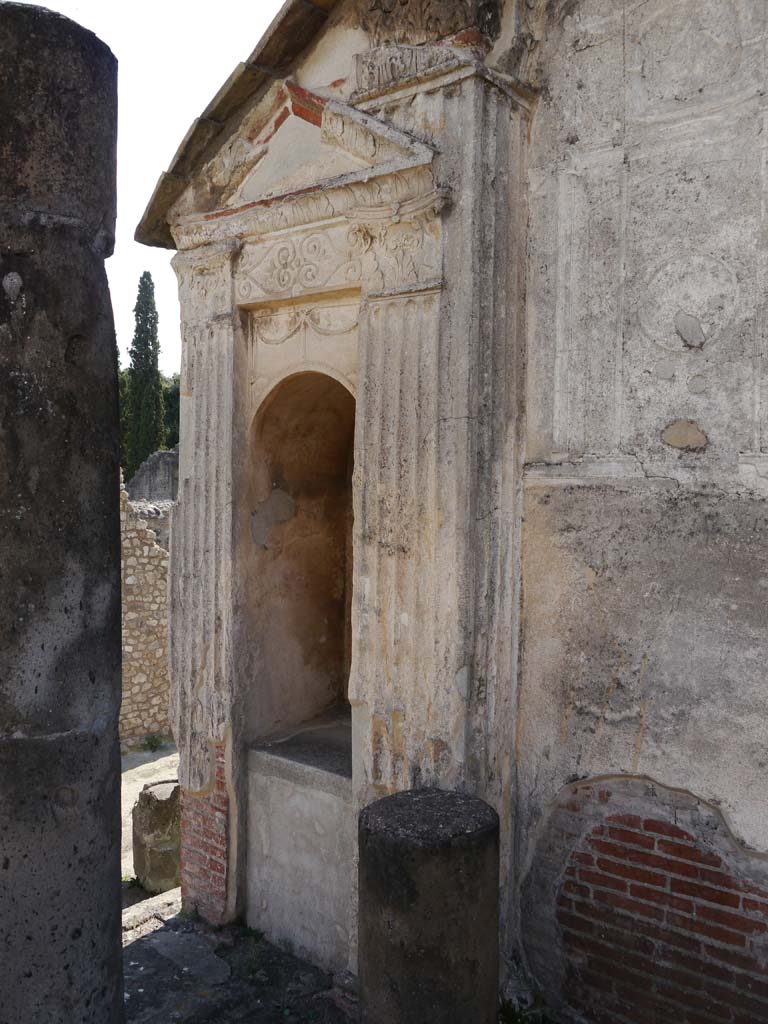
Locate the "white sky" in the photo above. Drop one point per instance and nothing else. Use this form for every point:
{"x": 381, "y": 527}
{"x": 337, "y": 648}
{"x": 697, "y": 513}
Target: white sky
{"x": 173, "y": 55}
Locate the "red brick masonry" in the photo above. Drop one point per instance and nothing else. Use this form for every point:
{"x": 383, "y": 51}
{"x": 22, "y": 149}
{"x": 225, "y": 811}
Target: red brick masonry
{"x": 654, "y": 925}
{"x": 204, "y": 848}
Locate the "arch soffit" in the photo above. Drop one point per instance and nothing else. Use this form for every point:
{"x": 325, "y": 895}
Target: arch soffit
{"x": 298, "y": 369}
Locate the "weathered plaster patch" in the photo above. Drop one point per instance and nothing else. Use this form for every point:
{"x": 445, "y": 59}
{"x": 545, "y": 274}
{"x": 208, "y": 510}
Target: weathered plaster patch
{"x": 685, "y": 435}
{"x": 462, "y": 682}
{"x": 12, "y": 285}
{"x": 690, "y": 330}
{"x": 278, "y": 508}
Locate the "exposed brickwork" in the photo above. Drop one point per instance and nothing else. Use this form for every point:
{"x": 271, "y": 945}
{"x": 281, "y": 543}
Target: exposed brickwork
{"x": 204, "y": 848}
{"x": 654, "y": 923}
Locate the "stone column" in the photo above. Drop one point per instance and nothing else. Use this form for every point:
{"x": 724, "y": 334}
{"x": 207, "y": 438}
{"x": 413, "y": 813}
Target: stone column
{"x": 201, "y": 599}
{"x": 429, "y": 909}
{"x": 59, "y": 527}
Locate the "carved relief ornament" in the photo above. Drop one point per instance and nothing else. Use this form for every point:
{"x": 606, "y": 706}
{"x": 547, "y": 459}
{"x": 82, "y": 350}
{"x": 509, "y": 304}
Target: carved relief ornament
{"x": 423, "y": 21}
{"x": 404, "y": 243}
{"x": 205, "y": 280}
{"x": 302, "y": 264}
{"x": 274, "y": 327}
{"x": 385, "y": 66}
{"x": 390, "y": 247}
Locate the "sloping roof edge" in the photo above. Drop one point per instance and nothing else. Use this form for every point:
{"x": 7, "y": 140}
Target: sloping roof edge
{"x": 295, "y": 27}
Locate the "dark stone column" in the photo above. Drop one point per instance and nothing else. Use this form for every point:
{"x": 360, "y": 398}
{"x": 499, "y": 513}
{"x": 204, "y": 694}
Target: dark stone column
{"x": 59, "y": 527}
{"x": 429, "y": 910}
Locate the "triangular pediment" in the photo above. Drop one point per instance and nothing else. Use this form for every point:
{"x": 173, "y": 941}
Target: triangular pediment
{"x": 295, "y": 158}
{"x": 305, "y": 142}
{"x": 342, "y": 52}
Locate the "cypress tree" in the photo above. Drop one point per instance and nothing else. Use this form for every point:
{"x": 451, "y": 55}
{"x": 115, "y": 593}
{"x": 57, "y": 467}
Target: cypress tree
{"x": 146, "y": 418}
{"x": 122, "y": 376}
{"x": 172, "y": 400}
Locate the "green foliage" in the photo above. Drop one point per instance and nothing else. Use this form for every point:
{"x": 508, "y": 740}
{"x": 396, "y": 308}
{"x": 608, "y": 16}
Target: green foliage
{"x": 153, "y": 742}
{"x": 122, "y": 377}
{"x": 171, "y": 400}
{"x": 144, "y": 412}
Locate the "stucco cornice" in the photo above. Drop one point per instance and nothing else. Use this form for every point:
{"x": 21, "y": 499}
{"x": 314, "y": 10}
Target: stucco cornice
{"x": 393, "y": 191}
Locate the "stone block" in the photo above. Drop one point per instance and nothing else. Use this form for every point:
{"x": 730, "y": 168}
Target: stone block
{"x": 156, "y": 821}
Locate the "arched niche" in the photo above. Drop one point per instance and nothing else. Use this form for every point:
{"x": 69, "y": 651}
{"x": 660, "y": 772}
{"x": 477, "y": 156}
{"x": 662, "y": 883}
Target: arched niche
{"x": 302, "y": 444}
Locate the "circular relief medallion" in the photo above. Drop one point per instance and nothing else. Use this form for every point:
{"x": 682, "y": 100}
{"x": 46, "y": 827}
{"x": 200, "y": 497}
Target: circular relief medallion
{"x": 688, "y": 302}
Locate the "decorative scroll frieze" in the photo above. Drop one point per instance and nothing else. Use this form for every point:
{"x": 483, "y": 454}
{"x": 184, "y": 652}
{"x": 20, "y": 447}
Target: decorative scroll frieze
{"x": 388, "y": 247}
{"x": 275, "y": 326}
{"x": 319, "y": 260}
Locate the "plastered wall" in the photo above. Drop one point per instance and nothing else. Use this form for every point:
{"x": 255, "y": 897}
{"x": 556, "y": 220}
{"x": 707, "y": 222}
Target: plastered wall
{"x": 644, "y": 564}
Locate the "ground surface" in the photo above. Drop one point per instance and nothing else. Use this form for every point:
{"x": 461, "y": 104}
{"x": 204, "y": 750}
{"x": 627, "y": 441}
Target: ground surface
{"x": 180, "y": 970}
{"x": 141, "y": 767}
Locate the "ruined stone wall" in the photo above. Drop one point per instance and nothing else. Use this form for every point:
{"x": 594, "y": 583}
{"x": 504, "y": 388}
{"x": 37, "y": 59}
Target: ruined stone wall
{"x": 158, "y": 517}
{"x": 157, "y": 478}
{"x": 146, "y": 684}
{"x": 660, "y": 915}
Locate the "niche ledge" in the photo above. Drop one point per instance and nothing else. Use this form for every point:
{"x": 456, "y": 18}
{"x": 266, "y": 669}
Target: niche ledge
{"x": 316, "y": 754}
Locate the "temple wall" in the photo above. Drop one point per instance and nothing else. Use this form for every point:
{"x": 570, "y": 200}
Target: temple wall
{"x": 548, "y": 300}
{"x": 644, "y": 560}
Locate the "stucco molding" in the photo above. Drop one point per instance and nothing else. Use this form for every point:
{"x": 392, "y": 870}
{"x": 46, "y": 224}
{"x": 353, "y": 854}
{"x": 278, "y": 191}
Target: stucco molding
{"x": 318, "y": 205}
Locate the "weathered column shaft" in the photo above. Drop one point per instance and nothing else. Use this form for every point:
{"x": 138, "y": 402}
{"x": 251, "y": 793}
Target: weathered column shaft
{"x": 429, "y": 909}
{"x": 59, "y": 527}
{"x": 201, "y": 622}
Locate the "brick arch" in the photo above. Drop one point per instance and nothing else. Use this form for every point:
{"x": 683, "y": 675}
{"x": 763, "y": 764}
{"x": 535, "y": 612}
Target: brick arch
{"x": 642, "y": 909}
